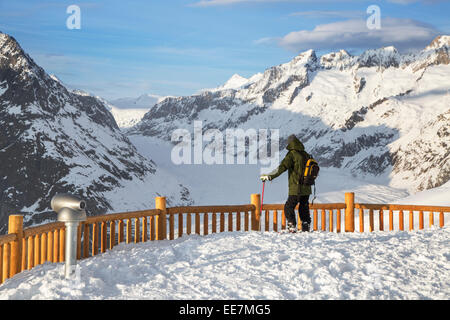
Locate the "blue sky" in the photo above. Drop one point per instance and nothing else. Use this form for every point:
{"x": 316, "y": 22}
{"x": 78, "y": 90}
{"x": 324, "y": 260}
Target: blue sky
{"x": 177, "y": 47}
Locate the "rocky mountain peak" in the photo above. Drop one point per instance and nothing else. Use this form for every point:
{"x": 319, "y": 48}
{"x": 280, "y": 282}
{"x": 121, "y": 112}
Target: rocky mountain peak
{"x": 439, "y": 42}
{"x": 436, "y": 53}
{"x": 339, "y": 60}
{"x": 13, "y": 57}
{"x": 305, "y": 57}
{"x": 383, "y": 58}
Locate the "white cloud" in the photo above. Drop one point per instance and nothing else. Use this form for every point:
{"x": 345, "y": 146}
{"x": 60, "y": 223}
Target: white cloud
{"x": 330, "y": 14}
{"x": 403, "y": 1}
{"x": 405, "y": 34}
{"x": 210, "y": 3}
{"x": 266, "y": 40}
{"x": 414, "y": 1}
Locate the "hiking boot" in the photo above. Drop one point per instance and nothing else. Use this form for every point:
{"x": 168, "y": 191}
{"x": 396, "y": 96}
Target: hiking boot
{"x": 291, "y": 227}
{"x": 305, "y": 226}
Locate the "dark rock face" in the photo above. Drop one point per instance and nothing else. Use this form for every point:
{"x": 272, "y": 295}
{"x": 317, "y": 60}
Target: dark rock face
{"x": 357, "y": 116}
{"x": 374, "y": 164}
{"x": 360, "y": 83}
{"x": 191, "y": 107}
{"x": 381, "y": 58}
{"x": 54, "y": 140}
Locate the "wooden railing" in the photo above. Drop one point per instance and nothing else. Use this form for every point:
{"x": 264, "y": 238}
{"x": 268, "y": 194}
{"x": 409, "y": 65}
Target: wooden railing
{"x": 395, "y": 215}
{"x": 23, "y": 249}
{"x": 208, "y": 219}
{"x": 325, "y": 217}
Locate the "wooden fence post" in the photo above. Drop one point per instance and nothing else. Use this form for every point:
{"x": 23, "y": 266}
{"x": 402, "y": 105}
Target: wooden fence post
{"x": 256, "y": 215}
{"x": 15, "y": 225}
{"x": 161, "y": 228}
{"x": 350, "y": 212}
{"x": 6, "y": 262}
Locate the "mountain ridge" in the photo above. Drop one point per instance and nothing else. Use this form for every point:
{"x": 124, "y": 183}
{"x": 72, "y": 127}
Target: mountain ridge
{"x": 349, "y": 110}
{"x": 55, "y": 140}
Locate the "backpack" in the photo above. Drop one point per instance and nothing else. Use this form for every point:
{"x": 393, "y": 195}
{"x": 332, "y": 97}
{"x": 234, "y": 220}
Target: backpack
{"x": 308, "y": 178}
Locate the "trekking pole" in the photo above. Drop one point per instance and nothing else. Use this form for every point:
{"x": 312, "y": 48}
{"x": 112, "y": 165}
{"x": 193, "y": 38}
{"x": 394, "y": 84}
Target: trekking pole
{"x": 262, "y": 201}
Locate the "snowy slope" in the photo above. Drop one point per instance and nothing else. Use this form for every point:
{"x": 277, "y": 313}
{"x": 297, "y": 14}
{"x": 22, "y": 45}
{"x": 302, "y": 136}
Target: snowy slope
{"x": 126, "y": 118}
{"x": 381, "y": 115}
{"x": 439, "y": 196}
{"x": 233, "y": 184}
{"x": 252, "y": 265}
{"x": 54, "y": 140}
{"x": 129, "y": 111}
{"x": 145, "y": 101}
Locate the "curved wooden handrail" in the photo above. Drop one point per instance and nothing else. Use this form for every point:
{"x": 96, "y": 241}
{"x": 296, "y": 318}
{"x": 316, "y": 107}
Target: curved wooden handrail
{"x": 419, "y": 208}
{"x": 401, "y": 207}
{"x": 8, "y": 238}
{"x": 368, "y": 206}
{"x": 29, "y": 232}
{"x": 211, "y": 209}
{"x": 32, "y": 231}
{"x": 122, "y": 216}
{"x": 325, "y": 206}
{"x": 372, "y": 206}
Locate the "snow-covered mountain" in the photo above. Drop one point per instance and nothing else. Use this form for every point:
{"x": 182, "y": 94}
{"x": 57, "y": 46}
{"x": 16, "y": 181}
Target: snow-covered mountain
{"x": 129, "y": 111}
{"x": 235, "y": 82}
{"x": 380, "y": 115}
{"x": 126, "y": 118}
{"x": 145, "y": 101}
{"x": 55, "y": 140}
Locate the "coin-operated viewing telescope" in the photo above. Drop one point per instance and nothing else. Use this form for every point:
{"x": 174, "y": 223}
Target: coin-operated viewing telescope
{"x": 71, "y": 210}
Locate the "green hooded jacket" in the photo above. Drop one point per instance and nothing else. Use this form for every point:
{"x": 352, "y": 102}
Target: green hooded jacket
{"x": 294, "y": 163}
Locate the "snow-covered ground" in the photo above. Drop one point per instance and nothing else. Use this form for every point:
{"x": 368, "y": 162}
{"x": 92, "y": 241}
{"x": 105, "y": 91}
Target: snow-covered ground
{"x": 253, "y": 265}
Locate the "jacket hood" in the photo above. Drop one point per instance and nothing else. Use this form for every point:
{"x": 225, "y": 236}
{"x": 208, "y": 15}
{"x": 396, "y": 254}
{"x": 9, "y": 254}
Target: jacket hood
{"x": 295, "y": 144}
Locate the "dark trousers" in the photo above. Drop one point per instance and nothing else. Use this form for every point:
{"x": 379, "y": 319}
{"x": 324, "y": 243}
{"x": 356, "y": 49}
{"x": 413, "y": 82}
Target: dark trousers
{"x": 289, "y": 209}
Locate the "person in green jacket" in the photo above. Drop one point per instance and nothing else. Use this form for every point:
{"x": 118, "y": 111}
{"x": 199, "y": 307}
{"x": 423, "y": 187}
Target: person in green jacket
{"x": 294, "y": 162}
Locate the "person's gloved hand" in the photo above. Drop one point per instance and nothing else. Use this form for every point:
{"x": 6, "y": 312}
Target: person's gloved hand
{"x": 264, "y": 178}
